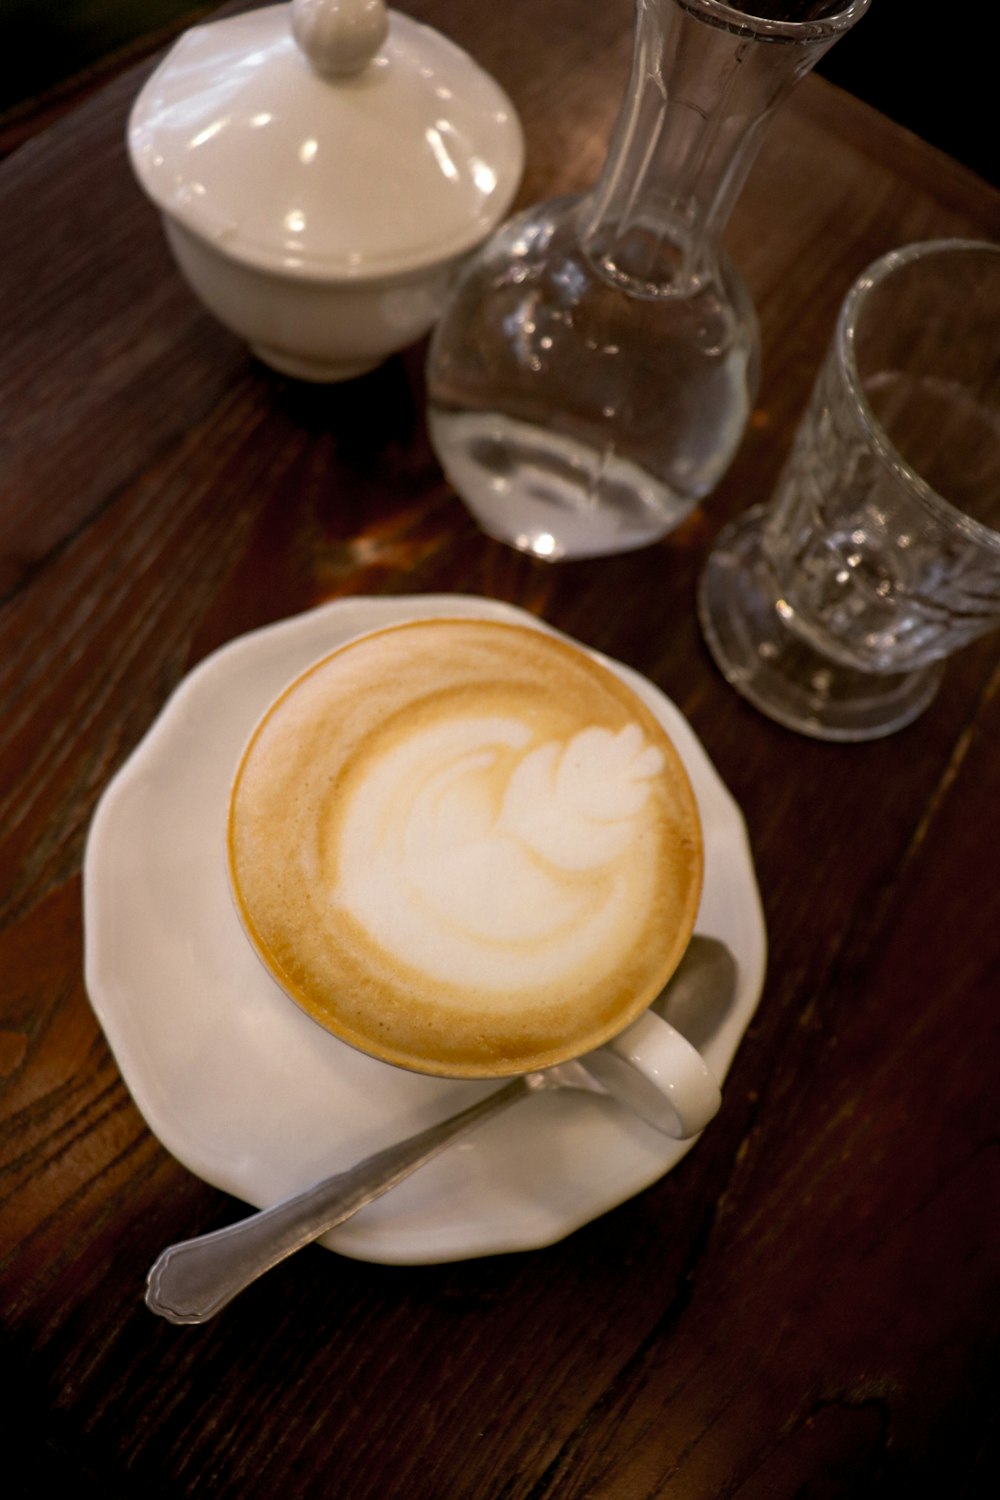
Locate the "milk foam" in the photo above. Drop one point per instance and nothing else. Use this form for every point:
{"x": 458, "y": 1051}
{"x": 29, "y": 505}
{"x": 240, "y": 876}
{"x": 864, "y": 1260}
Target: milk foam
{"x": 462, "y": 849}
{"x": 466, "y": 847}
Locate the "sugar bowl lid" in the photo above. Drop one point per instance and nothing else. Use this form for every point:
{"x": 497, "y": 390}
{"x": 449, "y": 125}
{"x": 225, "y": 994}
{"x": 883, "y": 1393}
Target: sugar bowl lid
{"x": 327, "y": 139}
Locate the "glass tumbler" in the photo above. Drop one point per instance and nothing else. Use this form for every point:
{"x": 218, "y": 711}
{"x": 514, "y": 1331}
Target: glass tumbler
{"x": 833, "y": 607}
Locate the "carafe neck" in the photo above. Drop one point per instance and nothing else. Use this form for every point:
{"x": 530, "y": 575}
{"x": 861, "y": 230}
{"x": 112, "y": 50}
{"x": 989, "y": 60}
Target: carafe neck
{"x": 706, "y": 79}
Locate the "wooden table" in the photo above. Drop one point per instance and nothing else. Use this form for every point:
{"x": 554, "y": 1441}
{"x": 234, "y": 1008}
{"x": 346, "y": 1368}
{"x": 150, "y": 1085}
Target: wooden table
{"x": 807, "y": 1306}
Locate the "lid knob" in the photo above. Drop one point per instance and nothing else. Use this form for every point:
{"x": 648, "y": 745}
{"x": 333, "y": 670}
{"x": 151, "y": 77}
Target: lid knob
{"x": 339, "y": 37}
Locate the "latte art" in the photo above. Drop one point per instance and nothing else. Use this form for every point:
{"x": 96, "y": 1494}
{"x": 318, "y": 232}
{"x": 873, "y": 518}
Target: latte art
{"x": 486, "y": 860}
{"x": 465, "y": 847}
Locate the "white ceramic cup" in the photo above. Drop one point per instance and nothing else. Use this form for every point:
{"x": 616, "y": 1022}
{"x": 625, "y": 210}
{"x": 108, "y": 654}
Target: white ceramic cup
{"x": 659, "y": 1075}
{"x": 390, "y": 788}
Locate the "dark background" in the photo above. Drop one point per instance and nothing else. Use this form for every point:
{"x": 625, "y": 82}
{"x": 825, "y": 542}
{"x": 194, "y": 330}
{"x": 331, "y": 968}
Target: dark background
{"x": 921, "y": 62}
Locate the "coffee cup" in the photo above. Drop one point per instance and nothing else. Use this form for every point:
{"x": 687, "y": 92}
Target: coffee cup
{"x": 468, "y": 849}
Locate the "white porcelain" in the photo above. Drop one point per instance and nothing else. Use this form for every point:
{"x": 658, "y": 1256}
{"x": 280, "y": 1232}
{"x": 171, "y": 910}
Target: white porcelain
{"x": 254, "y": 1097}
{"x": 321, "y": 168}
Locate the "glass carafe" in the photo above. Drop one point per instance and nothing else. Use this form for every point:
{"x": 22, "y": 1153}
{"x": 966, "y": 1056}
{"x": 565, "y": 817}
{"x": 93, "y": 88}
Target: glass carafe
{"x": 592, "y": 375}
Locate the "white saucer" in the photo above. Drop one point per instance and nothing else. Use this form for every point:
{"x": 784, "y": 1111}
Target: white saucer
{"x": 254, "y": 1097}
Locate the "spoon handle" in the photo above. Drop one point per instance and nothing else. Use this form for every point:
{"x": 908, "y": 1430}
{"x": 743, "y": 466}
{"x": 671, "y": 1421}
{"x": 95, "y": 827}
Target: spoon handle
{"x": 193, "y": 1280}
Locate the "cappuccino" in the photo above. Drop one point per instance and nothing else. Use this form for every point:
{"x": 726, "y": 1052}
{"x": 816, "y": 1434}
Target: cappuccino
{"x": 465, "y": 847}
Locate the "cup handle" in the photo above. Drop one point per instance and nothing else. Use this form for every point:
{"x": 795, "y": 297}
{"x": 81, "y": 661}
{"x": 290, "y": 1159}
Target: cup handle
{"x": 658, "y": 1074}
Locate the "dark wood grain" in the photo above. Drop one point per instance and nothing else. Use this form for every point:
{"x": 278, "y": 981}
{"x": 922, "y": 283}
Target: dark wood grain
{"x": 807, "y": 1306}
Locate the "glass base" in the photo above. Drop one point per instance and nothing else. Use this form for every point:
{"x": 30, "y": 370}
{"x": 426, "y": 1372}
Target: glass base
{"x": 547, "y": 494}
{"x": 777, "y": 671}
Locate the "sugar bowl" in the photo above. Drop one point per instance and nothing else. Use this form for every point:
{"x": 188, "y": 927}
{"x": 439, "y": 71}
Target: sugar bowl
{"x": 321, "y": 168}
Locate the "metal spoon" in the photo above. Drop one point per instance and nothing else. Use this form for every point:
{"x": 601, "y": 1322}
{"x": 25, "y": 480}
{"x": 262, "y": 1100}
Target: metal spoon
{"x": 195, "y": 1279}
